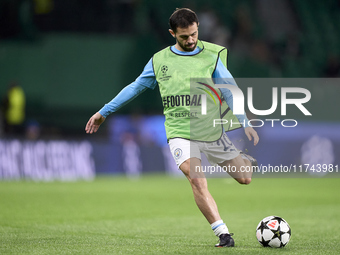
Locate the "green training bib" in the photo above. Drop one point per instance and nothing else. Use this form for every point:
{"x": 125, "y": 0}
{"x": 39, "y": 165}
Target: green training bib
{"x": 193, "y": 107}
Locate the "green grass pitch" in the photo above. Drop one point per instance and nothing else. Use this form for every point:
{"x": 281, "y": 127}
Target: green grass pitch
{"x": 157, "y": 215}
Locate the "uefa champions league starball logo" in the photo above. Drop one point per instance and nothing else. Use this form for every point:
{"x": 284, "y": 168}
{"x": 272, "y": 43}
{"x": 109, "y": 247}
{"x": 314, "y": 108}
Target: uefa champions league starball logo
{"x": 164, "y": 69}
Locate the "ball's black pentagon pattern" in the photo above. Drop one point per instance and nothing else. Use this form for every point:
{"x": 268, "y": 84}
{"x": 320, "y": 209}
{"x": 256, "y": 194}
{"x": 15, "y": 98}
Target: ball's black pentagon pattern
{"x": 265, "y": 243}
{"x": 277, "y": 233}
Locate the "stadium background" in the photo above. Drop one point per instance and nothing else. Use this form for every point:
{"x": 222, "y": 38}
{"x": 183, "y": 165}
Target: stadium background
{"x": 71, "y": 57}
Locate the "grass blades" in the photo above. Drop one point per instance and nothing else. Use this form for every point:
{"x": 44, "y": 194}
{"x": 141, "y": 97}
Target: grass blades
{"x": 158, "y": 215}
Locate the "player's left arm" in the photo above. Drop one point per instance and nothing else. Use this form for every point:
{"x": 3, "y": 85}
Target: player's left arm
{"x": 251, "y": 133}
{"x": 223, "y": 75}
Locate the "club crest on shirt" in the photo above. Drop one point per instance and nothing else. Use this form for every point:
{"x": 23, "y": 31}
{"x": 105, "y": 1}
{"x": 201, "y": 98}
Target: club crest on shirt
{"x": 178, "y": 153}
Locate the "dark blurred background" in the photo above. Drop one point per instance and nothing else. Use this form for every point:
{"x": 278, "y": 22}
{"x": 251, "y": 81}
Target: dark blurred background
{"x": 62, "y": 60}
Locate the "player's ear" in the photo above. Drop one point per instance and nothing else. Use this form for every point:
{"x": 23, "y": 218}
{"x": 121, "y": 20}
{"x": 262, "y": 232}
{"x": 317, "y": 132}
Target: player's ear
{"x": 172, "y": 33}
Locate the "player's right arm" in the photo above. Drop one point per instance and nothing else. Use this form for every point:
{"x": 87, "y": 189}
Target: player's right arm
{"x": 146, "y": 80}
{"x": 94, "y": 122}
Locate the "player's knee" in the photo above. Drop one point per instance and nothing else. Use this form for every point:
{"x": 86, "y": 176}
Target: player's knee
{"x": 245, "y": 181}
{"x": 248, "y": 181}
{"x": 185, "y": 167}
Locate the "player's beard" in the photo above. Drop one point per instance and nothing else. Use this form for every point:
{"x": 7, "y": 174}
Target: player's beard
{"x": 186, "y": 48}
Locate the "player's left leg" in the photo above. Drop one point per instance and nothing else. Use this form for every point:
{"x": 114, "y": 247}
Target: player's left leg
{"x": 224, "y": 153}
{"x": 239, "y": 165}
{"x": 241, "y": 169}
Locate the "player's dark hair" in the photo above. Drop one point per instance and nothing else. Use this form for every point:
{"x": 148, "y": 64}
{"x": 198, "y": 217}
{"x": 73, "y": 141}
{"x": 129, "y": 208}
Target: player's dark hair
{"x": 182, "y": 17}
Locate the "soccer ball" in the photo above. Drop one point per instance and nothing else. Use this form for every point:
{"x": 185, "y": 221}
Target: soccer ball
{"x": 273, "y": 231}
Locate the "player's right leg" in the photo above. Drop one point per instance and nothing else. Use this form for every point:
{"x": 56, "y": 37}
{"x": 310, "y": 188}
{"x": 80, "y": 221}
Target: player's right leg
{"x": 206, "y": 202}
{"x": 199, "y": 185}
{"x": 188, "y": 157}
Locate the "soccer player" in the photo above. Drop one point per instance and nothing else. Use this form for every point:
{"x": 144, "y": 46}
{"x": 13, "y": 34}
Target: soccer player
{"x": 172, "y": 69}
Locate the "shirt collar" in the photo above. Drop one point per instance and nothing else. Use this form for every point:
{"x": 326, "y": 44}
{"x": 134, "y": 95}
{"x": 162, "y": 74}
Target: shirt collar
{"x": 175, "y": 50}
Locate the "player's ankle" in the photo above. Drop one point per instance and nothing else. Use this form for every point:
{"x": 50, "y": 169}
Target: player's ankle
{"x": 219, "y": 228}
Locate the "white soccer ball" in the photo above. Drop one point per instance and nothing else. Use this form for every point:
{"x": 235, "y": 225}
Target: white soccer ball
{"x": 273, "y": 231}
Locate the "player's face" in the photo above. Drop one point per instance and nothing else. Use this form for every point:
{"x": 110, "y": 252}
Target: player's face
{"x": 186, "y": 38}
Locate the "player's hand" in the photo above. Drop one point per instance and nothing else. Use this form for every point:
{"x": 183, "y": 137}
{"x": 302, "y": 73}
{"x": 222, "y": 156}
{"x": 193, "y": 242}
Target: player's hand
{"x": 94, "y": 122}
{"x": 250, "y": 133}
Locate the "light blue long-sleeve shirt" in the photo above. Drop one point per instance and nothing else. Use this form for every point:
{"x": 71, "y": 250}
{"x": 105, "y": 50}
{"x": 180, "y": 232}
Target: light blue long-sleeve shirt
{"x": 147, "y": 79}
